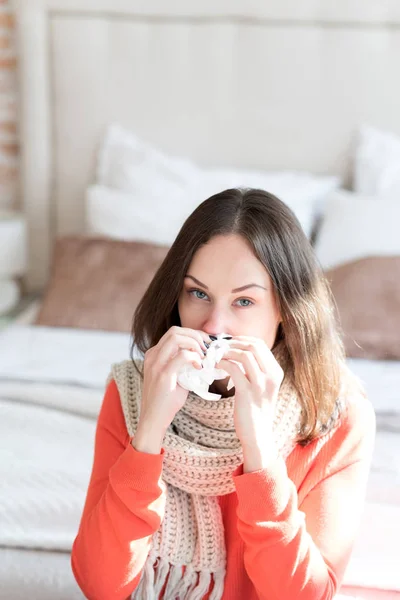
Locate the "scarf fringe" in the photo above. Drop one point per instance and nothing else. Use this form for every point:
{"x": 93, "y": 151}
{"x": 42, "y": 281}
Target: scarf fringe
{"x": 174, "y": 578}
{"x": 145, "y": 589}
{"x": 219, "y": 581}
{"x": 186, "y": 584}
{"x": 202, "y": 587}
{"x": 189, "y": 586}
{"x": 161, "y": 575}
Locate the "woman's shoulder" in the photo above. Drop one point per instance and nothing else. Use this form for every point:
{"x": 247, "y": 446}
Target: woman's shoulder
{"x": 111, "y": 417}
{"x": 358, "y": 419}
{"x": 353, "y": 437}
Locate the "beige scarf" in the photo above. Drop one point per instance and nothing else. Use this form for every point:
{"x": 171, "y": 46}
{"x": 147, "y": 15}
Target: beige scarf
{"x": 201, "y": 452}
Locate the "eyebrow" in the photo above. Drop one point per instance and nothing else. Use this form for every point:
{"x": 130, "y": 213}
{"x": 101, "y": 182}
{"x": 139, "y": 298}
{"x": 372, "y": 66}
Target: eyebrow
{"x": 239, "y": 289}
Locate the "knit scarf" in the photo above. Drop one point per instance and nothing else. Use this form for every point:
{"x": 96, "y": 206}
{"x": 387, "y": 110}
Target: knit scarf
{"x": 201, "y": 451}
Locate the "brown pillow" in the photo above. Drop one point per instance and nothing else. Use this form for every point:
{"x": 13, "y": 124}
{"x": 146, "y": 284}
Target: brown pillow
{"x": 97, "y": 283}
{"x": 367, "y": 294}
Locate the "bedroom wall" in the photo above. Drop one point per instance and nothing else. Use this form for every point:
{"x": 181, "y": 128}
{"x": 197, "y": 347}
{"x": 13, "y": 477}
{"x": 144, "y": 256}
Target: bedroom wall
{"x": 8, "y": 108}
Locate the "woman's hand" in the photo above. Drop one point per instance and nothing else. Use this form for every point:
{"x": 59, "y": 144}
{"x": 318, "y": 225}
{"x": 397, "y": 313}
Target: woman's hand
{"x": 162, "y": 396}
{"x": 257, "y": 382}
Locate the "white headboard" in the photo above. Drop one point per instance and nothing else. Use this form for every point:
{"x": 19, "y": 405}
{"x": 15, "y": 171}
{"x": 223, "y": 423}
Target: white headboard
{"x": 270, "y": 84}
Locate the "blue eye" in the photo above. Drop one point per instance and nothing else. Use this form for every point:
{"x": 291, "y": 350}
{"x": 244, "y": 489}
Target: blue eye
{"x": 245, "y": 300}
{"x": 200, "y": 295}
{"x": 196, "y": 294}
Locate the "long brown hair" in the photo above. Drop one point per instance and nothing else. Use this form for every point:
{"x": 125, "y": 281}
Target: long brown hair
{"x": 308, "y": 344}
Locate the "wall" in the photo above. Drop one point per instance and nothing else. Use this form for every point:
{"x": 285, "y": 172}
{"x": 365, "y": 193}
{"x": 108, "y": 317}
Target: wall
{"x": 8, "y": 108}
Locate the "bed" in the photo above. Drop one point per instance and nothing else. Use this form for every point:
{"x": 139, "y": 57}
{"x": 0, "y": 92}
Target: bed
{"x": 178, "y": 77}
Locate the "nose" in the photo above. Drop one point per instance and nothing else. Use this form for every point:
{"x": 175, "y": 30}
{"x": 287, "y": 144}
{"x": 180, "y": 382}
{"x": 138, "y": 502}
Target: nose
{"x": 216, "y": 323}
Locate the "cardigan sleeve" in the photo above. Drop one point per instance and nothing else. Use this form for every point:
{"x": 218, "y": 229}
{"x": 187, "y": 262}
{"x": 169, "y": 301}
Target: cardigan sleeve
{"x": 124, "y": 506}
{"x": 299, "y": 551}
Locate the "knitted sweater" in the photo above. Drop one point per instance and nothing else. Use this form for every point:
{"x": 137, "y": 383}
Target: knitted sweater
{"x": 289, "y": 528}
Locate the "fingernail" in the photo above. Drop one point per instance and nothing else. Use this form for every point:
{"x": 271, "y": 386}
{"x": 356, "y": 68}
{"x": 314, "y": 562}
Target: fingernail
{"x": 213, "y": 337}
{"x": 206, "y": 345}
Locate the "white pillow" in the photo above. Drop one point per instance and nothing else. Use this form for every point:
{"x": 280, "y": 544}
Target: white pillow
{"x": 120, "y": 215}
{"x": 128, "y": 164}
{"x": 357, "y": 226}
{"x": 304, "y": 193}
{"x": 377, "y": 163}
{"x": 116, "y": 214}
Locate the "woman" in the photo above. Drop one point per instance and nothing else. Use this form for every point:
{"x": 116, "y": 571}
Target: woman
{"x": 256, "y": 495}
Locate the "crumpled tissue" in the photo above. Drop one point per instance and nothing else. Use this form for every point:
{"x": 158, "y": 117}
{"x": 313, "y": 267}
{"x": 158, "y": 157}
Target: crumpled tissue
{"x": 198, "y": 381}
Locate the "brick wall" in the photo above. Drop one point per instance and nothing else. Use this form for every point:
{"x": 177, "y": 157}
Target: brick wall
{"x": 8, "y": 108}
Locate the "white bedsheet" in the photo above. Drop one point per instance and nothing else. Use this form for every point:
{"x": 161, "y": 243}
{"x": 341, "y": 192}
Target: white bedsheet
{"x": 51, "y": 388}
{"x": 382, "y": 381}
{"x": 37, "y": 575}
{"x": 44, "y": 469}
{"x": 60, "y": 355}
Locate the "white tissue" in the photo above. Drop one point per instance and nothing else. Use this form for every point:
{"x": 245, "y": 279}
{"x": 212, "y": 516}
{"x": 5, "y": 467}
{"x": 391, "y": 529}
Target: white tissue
{"x": 198, "y": 381}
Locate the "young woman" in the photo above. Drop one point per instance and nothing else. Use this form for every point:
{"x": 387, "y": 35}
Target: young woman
{"x": 254, "y": 496}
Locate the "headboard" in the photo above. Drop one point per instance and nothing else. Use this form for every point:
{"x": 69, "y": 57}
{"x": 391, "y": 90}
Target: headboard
{"x": 273, "y": 85}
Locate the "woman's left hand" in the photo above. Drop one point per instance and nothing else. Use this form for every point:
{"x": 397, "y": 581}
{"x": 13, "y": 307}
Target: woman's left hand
{"x": 256, "y": 389}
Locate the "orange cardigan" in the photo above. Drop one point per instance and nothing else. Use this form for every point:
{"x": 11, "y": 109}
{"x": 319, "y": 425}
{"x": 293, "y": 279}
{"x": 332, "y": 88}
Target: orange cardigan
{"x": 289, "y": 528}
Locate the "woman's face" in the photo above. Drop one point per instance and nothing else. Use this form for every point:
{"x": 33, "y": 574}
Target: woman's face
{"x": 228, "y": 290}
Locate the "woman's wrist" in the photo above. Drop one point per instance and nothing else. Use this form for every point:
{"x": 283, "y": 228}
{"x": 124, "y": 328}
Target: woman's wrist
{"x": 258, "y": 453}
{"x": 148, "y": 438}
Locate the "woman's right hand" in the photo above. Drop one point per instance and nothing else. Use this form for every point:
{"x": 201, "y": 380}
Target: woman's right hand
{"x": 162, "y": 395}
